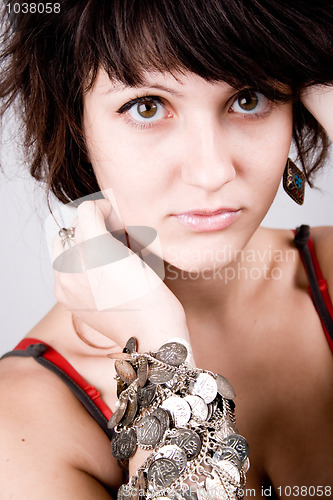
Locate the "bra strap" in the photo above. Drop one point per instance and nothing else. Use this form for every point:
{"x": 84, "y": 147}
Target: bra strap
{"x": 48, "y": 357}
{"x": 317, "y": 284}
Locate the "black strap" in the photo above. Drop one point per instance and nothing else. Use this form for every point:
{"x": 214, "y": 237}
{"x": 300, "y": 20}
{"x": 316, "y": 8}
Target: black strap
{"x": 36, "y": 351}
{"x": 301, "y": 241}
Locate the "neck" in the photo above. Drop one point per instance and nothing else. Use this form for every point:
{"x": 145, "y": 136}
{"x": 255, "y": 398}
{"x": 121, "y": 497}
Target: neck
{"x": 218, "y": 286}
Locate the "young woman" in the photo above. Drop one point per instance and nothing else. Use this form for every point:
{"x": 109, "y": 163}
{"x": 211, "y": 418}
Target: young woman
{"x": 182, "y": 114}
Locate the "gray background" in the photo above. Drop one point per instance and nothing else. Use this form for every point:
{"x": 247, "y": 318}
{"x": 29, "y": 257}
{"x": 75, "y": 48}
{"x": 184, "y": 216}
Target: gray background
{"x": 26, "y": 289}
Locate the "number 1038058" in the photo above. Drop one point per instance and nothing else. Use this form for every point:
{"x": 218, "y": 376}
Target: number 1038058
{"x": 304, "y": 491}
{"x": 33, "y": 8}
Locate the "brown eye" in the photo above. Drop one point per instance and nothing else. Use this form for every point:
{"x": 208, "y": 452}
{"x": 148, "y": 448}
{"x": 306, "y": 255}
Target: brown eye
{"x": 248, "y": 101}
{"x": 147, "y": 109}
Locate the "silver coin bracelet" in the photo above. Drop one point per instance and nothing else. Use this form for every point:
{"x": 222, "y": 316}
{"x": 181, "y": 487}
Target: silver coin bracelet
{"x": 185, "y": 416}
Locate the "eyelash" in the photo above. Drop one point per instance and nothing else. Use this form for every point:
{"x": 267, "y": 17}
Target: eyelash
{"x": 140, "y": 100}
{"x": 143, "y": 98}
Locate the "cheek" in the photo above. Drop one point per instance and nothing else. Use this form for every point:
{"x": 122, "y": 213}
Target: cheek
{"x": 264, "y": 154}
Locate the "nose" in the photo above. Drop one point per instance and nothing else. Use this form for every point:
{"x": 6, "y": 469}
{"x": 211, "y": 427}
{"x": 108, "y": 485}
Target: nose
{"x": 207, "y": 162}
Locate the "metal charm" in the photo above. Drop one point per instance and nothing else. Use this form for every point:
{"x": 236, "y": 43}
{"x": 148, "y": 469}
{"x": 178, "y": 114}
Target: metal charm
{"x": 131, "y": 346}
{"x": 146, "y": 395}
{"x": 172, "y": 353}
{"x": 174, "y": 453}
{"x": 125, "y": 371}
{"x": 188, "y": 440}
{"x": 158, "y": 375}
{"x": 142, "y": 371}
{"x": 131, "y": 410}
{"x": 224, "y": 388}
{"x": 226, "y": 453}
{"x": 163, "y": 417}
{"x": 199, "y": 408}
{"x": 119, "y": 413}
{"x": 149, "y": 431}
{"x": 226, "y": 429}
{"x": 123, "y": 445}
{"x": 205, "y": 386}
{"x": 239, "y": 444}
{"x": 162, "y": 473}
{"x": 179, "y": 409}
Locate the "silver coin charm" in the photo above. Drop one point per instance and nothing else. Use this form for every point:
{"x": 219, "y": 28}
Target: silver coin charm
{"x": 226, "y": 453}
{"x": 162, "y": 473}
{"x": 239, "y": 444}
{"x": 188, "y": 440}
{"x": 211, "y": 409}
{"x": 163, "y": 417}
{"x": 142, "y": 371}
{"x": 158, "y": 375}
{"x": 174, "y": 453}
{"x": 131, "y": 346}
{"x": 149, "y": 431}
{"x": 224, "y": 388}
{"x": 204, "y": 386}
{"x": 172, "y": 353}
{"x": 226, "y": 429}
{"x": 123, "y": 445}
{"x": 131, "y": 410}
{"x": 146, "y": 395}
{"x": 125, "y": 371}
{"x": 199, "y": 408}
{"x": 179, "y": 409}
{"x": 121, "y": 407}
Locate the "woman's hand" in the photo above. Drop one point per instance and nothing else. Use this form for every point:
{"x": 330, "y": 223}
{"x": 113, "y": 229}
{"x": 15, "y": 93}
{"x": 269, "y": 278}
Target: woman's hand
{"x": 318, "y": 99}
{"x": 110, "y": 287}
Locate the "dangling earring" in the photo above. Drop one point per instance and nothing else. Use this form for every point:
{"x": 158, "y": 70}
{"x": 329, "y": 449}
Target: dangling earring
{"x": 294, "y": 182}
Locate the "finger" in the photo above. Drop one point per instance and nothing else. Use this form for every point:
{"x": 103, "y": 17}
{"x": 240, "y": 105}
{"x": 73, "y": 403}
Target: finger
{"x": 92, "y": 216}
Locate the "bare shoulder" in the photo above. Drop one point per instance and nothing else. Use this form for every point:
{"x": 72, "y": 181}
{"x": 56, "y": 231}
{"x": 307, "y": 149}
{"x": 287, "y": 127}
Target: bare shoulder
{"x": 50, "y": 446}
{"x": 299, "y": 393}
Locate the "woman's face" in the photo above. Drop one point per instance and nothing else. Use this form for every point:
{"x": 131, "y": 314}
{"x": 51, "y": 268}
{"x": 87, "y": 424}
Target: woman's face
{"x": 200, "y": 162}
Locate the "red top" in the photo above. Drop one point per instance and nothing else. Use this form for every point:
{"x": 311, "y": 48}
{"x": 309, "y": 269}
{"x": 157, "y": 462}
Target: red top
{"x": 57, "y": 359}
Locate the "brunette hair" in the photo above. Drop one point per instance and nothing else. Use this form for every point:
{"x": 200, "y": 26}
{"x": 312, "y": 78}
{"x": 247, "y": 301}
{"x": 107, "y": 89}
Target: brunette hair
{"x": 49, "y": 60}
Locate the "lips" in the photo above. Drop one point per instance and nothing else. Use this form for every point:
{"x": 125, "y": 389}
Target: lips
{"x": 205, "y": 220}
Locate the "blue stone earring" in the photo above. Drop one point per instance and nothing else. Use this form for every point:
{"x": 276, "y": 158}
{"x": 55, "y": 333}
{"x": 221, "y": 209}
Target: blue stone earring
{"x": 294, "y": 182}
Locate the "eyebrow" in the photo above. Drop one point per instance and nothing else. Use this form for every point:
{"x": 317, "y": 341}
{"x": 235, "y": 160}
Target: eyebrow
{"x": 149, "y": 85}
